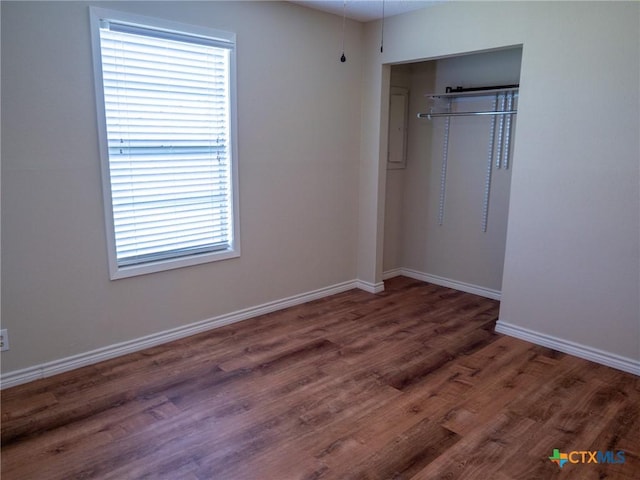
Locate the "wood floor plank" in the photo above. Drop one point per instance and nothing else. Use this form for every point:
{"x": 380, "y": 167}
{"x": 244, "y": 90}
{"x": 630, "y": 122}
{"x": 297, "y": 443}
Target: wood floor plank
{"x": 409, "y": 383}
{"x": 406, "y": 454}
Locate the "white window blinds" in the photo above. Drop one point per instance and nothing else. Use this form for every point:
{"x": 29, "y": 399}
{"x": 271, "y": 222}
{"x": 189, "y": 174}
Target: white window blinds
{"x": 167, "y": 109}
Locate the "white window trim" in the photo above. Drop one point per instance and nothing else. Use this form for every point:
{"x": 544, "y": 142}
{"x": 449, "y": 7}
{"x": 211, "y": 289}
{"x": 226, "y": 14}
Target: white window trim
{"x": 117, "y": 272}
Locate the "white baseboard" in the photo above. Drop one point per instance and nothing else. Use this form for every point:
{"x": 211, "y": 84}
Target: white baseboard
{"x": 48, "y": 369}
{"x": 395, "y": 272}
{"x": 370, "y": 287}
{"x": 588, "y": 353}
{"x": 443, "y": 282}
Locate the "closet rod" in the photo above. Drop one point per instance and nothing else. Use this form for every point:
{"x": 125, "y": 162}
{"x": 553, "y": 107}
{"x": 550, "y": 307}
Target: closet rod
{"x": 460, "y": 114}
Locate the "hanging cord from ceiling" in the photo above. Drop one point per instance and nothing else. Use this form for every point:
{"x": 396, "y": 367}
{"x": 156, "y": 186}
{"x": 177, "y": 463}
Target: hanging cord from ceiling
{"x": 382, "y": 30}
{"x": 344, "y": 18}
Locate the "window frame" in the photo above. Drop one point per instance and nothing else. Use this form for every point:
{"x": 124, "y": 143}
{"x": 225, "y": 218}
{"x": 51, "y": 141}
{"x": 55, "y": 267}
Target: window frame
{"x": 116, "y": 271}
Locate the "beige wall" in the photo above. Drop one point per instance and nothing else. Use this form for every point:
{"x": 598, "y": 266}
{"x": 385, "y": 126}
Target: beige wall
{"x": 572, "y": 266}
{"x": 299, "y": 131}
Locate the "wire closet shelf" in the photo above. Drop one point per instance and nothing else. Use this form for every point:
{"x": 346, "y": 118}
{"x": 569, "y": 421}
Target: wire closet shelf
{"x": 451, "y": 94}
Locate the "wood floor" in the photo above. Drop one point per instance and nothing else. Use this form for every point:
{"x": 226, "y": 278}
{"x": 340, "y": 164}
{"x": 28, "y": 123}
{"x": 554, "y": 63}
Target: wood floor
{"x": 411, "y": 383}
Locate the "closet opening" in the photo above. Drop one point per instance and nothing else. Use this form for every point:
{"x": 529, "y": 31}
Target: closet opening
{"x": 452, "y": 125}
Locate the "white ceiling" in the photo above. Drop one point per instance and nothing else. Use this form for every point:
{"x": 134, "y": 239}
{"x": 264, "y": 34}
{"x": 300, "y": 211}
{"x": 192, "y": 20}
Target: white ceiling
{"x": 367, "y": 10}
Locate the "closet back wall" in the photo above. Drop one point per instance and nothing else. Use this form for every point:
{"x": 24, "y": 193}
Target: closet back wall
{"x": 458, "y": 250}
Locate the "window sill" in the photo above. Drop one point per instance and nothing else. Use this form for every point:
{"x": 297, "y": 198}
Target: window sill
{"x": 118, "y": 273}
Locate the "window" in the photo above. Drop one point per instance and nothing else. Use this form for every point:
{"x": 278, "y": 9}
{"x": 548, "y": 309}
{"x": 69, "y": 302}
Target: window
{"x": 166, "y": 102}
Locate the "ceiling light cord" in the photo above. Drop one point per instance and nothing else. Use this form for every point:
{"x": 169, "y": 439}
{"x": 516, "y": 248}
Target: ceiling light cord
{"x": 344, "y": 18}
{"x": 382, "y": 32}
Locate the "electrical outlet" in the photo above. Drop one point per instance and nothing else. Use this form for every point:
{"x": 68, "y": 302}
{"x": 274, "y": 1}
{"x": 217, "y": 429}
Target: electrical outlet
{"x": 4, "y": 340}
